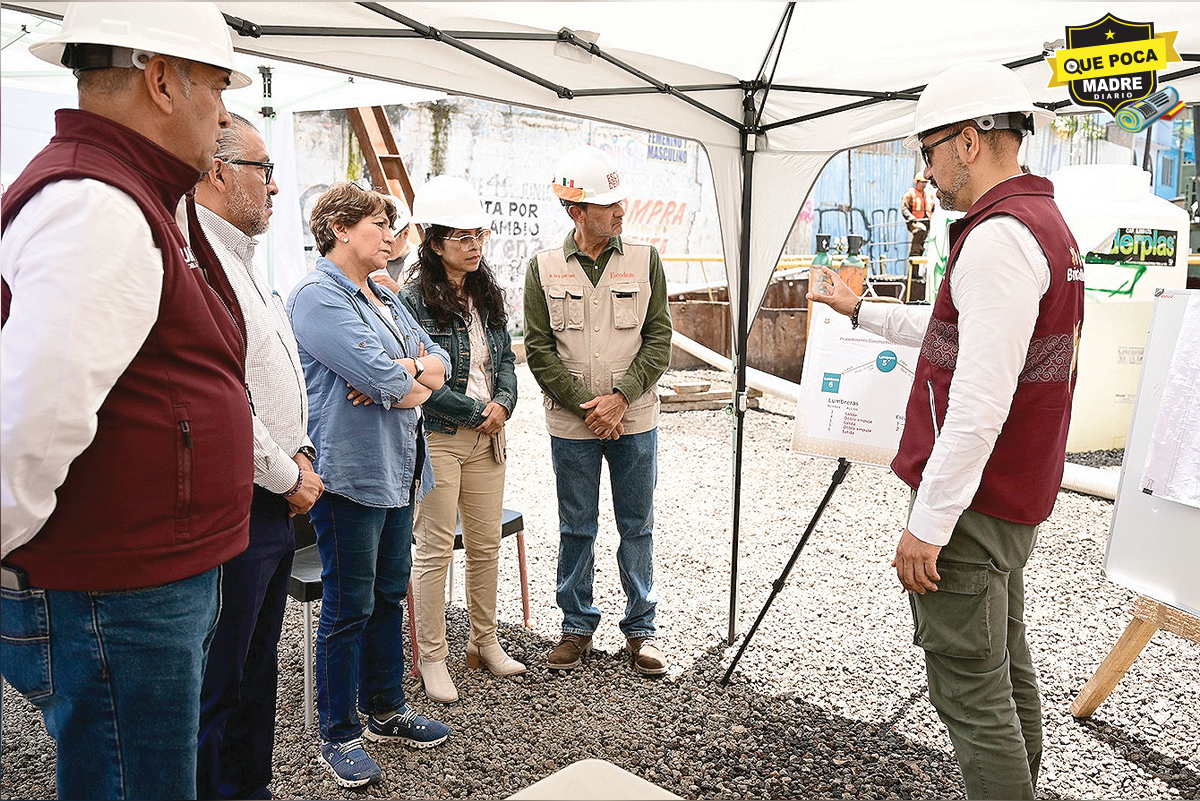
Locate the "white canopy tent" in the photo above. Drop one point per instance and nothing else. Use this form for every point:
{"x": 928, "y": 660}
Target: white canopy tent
{"x": 33, "y": 90}
{"x": 771, "y": 90}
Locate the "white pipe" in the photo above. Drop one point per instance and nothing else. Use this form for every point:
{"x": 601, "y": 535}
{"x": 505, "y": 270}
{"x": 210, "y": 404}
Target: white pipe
{"x": 764, "y": 382}
{"x": 1090, "y": 480}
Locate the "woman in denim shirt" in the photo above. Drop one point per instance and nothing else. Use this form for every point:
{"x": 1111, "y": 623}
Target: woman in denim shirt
{"x": 454, "y": 295}
{"x": 357, "y": 337}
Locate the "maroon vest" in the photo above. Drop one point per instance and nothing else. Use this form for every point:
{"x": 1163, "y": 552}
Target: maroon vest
{"x": 163, "y": 491}
{"x": 1022, "y": 476}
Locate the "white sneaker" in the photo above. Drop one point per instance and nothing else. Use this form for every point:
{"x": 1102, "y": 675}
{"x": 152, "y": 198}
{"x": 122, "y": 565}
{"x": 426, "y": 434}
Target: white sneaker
{"x": 437, "y": 682}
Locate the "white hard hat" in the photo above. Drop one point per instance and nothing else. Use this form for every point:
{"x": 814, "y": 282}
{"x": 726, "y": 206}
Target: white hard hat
{"x": 588, "y": 175}
{"x": 193, "y": 31}
{"x": 451, "y": 202}
{"x": 979, "y": 91}
{"x": 403, "y": 216}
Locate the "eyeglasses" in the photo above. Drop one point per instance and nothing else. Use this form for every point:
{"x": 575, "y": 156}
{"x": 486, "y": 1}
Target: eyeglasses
{"x": 466, "y": 240}
{"x": 267, "y": 166}
{"x": 927, "y": 150}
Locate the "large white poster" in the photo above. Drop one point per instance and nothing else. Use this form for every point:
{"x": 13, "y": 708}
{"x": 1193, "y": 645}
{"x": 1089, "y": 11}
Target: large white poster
{"x": 853, "y": 392}
{"x": 1173, "y": 459}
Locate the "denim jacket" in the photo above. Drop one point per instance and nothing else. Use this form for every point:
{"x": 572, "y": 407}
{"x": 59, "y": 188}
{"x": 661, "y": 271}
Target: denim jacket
{"x": 449, "y": 408}
{"x": 371, "y": 453}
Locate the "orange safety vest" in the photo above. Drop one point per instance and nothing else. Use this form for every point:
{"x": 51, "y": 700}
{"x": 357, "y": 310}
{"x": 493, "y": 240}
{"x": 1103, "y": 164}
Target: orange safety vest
{"x": 918, "y": 204}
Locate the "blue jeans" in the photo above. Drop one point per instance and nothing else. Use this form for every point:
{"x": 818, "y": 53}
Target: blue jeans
{"x": 237, "y": 701}
{"x": 366, "y": 559}
{"x": 117, "y": 677}
{"x": 633, "y": 471}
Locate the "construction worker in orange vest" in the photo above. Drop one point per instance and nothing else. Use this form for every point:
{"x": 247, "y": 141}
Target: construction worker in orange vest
{"x": 916, "y": 207}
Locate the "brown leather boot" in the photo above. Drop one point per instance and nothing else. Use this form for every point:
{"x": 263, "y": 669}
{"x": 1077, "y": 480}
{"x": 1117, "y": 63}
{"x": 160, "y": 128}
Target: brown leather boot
{"x": 569, "y": 652}
{"x": 645, "y": 656}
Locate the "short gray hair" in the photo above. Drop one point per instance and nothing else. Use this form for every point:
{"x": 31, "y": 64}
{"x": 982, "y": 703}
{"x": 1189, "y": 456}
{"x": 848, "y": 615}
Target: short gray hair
{"x": 111, "y": 81}
{"x": 233, "y": 139}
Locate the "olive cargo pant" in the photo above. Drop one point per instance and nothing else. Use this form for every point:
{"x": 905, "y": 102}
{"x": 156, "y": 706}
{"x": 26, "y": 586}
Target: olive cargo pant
{"x": 981, "y": 676}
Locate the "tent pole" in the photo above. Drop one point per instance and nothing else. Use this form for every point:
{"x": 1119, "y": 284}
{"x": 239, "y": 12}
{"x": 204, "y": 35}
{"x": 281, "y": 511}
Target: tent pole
{"x": 749, "y": 142}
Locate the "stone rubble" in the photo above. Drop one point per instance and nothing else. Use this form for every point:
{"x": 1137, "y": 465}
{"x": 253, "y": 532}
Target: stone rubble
{"x": 829, "y": 700}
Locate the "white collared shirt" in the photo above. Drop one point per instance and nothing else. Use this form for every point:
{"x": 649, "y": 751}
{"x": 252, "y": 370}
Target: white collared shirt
{"x": 273, "y": 371}
{"x": 86, "y": 281}
{"x": 998, "y": 283}
{"x": 478, "y": 377}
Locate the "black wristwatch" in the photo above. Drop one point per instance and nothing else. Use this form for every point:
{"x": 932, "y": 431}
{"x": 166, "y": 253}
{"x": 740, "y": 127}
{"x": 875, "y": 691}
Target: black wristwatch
{"x": 420, "y": 368}
{"x": 308, "y": 451}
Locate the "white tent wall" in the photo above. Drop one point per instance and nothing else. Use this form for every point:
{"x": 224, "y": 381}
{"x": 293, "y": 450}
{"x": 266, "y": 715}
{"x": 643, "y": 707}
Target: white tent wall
{"x": 864, "y": 46}
{"x": 847, "y": 74}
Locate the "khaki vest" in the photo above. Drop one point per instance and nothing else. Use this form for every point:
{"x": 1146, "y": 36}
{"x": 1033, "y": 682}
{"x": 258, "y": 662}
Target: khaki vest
{"x": 598, "y": 331}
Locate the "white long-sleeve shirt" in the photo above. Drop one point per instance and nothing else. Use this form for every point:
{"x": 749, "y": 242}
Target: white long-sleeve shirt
{"x": 86, "y": 280}
{"x": 273, "y": 370}
{"x": 998, "y": 283}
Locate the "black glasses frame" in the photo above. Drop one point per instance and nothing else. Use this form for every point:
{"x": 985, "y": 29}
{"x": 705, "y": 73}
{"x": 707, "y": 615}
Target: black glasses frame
{"x": 268, "y": 167}
{"x": 927, "y": 150}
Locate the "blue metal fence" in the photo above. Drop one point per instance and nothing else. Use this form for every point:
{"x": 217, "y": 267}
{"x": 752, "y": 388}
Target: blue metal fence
{"x": 860, "y": 193}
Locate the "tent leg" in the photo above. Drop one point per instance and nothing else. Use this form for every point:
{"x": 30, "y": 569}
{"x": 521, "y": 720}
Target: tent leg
{"x": 739, "y": 355}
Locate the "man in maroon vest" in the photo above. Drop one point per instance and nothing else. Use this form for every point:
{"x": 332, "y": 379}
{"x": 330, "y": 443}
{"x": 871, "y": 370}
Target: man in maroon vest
{"x": 127, "y": 461}
{"x": 986, "y": 426}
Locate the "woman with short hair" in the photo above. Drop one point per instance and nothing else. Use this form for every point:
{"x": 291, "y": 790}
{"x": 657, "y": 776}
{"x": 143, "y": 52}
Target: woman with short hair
{"x": 368, "y": 366}
{"x": 454, "y": 295}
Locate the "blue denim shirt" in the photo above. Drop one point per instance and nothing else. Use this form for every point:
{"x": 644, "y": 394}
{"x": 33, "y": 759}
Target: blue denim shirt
{"x": 449, "y": 408}
{"x": 366, "y": 453}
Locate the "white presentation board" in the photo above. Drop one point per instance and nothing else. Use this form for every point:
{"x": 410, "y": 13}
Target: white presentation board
{"x": 853, "y": 392}
{"x": 1154, "y": 539}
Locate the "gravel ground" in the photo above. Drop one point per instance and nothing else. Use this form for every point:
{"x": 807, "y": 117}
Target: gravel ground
{"x": 829, "y": 700}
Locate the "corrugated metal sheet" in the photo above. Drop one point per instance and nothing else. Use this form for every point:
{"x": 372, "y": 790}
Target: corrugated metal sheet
{"x": 860, "y": 193}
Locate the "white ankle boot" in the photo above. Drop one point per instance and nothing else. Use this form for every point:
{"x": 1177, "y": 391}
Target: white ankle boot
{"x": 493, "y": 657}
{"x": 436, "y": 679}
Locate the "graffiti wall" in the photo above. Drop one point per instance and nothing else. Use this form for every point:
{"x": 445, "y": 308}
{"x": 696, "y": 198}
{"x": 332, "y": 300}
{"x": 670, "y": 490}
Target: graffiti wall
{"x": 508, "y": 154}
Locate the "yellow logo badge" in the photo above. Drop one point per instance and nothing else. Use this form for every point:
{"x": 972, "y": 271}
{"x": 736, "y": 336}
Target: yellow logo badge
{"x": 1112, "y": 62}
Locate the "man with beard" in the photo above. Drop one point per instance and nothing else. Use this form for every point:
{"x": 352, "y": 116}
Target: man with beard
{"x": 237, "y": 704}
{"x": 986, "y": 425}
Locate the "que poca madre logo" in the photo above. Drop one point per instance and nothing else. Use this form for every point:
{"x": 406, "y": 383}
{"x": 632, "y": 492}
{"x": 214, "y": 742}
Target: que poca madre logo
{"x": 1111, "y": 63}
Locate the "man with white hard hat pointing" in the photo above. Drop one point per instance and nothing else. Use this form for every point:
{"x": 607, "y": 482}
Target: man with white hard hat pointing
{"x": 986, "y": 425}
{"x": 597, "y": 338}
{"x": 127, "y": 456}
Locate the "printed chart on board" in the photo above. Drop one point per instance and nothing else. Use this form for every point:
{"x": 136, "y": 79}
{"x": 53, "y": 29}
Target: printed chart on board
{"x": 1173, "y": 456}
{"x": 853, "y": 392}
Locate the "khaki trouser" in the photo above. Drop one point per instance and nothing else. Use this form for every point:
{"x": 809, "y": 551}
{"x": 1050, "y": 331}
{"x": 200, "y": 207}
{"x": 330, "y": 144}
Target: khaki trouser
{"x": 470, "y": 484}
{"x": 981, "y": 677}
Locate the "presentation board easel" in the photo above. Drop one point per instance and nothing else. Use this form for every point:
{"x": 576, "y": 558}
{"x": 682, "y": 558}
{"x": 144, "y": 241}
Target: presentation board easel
{"x": 1148, "y": 617}
{"x": 853, "y": 392}
{"x": 1154, "y": 542}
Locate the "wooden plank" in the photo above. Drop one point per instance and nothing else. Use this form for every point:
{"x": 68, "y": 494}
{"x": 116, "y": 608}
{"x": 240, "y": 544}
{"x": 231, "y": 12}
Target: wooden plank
{"x": 1167, "y": 618}
{"x": 1148, "y": 617}
{"x": 1114, "y": 666}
